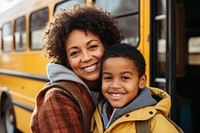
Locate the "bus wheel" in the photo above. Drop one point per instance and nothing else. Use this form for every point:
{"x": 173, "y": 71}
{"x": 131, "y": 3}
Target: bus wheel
{"x": 8, "y": 117}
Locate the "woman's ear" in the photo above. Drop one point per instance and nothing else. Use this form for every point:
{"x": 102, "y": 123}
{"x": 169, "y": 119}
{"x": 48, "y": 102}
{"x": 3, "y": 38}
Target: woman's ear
{"x": 143, "y": 80}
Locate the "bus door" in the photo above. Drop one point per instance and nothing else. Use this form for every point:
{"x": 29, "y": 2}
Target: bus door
{"x": 163, "y": 48}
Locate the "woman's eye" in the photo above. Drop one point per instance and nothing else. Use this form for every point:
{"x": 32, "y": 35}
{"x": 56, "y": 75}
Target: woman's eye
{"x": 74, "y": 53}
{"x": 92, "y": 47}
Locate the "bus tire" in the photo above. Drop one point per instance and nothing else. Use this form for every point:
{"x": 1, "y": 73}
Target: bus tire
{"x": 8, "y": 123}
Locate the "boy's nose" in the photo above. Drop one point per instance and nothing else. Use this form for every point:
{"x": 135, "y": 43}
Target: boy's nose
{"x": 115, "y": 85}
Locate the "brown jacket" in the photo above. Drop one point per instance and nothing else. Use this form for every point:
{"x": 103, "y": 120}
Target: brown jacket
{"x": 58, "y": 111}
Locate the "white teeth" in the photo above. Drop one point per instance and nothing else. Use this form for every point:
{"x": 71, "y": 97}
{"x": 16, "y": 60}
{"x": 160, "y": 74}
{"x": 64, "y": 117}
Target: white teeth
{"x": 90, "y": 68}
{"x": 116, "y": 95}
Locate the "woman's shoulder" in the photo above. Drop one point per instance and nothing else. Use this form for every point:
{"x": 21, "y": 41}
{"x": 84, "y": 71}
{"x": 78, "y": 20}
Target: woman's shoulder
{"x": 53, "y": 90}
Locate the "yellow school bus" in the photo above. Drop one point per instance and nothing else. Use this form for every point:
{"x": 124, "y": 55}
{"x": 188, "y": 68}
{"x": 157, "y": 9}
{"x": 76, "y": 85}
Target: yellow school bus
{"x": 167, "y": 32}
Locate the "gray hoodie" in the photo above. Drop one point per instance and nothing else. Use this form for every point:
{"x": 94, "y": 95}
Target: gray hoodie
{"x": 57, "y": 72}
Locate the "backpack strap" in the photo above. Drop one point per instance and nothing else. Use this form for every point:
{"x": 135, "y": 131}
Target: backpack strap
{"x": 144, "y": 126}
{"x": 68, "y": 86}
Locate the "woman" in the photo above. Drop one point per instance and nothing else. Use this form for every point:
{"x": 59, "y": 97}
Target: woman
{"x": 75, "y": 40}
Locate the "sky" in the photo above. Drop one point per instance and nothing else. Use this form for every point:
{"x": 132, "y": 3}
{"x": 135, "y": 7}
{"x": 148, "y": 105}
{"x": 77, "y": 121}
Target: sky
{"x": 6, "y": 4}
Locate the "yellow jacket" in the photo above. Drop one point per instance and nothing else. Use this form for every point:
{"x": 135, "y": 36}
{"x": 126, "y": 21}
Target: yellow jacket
{"x": 126, "y": 123}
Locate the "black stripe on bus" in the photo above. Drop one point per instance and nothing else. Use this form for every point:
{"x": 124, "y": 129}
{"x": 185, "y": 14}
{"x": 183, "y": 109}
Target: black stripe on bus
{"x": 126, "y": 14}
{"x": 22, "y": 105}
{"x": 24, "y": 75}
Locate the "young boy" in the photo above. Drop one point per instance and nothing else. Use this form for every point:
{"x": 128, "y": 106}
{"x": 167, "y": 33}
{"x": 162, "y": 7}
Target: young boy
{"x": 127, "y": 99}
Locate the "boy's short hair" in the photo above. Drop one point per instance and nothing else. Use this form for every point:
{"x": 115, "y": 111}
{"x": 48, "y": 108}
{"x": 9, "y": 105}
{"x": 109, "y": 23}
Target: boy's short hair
{"x": 126, "y": 51}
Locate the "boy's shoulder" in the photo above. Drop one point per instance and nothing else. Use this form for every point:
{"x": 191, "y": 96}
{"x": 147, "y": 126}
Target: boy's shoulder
{"x": 144, "y": 126}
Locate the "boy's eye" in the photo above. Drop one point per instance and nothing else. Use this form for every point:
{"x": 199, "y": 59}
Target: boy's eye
{"x": 125, "y": 78}
{"x": 107, "y": 78}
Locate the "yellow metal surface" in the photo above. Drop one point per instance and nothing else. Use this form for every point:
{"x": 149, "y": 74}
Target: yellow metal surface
{"x": 144, "y": 45}
{"x": 21, "y": 89}
{"x": 29, "y": 62}
{"x": 24, "y": 117}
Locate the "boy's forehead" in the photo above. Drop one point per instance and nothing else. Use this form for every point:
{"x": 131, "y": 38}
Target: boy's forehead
{"x": 114, "y": 62}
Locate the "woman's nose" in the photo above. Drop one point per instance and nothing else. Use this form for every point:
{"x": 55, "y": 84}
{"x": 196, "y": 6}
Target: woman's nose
{"x": 86, "y": 56}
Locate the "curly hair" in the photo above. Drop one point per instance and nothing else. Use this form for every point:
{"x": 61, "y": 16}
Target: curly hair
{"x": 87, "y": 18}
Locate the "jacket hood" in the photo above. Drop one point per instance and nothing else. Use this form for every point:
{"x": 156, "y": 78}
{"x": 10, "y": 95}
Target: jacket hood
{"x": 163, "y": 98}
{"x": 142, "y": 100}
{"x": 57, "y": 72}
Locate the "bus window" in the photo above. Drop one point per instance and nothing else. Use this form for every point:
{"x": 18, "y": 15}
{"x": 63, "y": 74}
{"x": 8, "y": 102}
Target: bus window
{"x": 127, "y": 14}
{"x": 131, "y": 33}
{"x": 161, "y": 34}
{"x": 194, "y": 51}
{"x": 159, "y": 44}
{"x": 20, "y": 34}
{"x": 38, "y": 21}
{"x": 7, "y": 37}
{"x": 67, "y": 4}
{"x": 119, "y": 6}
